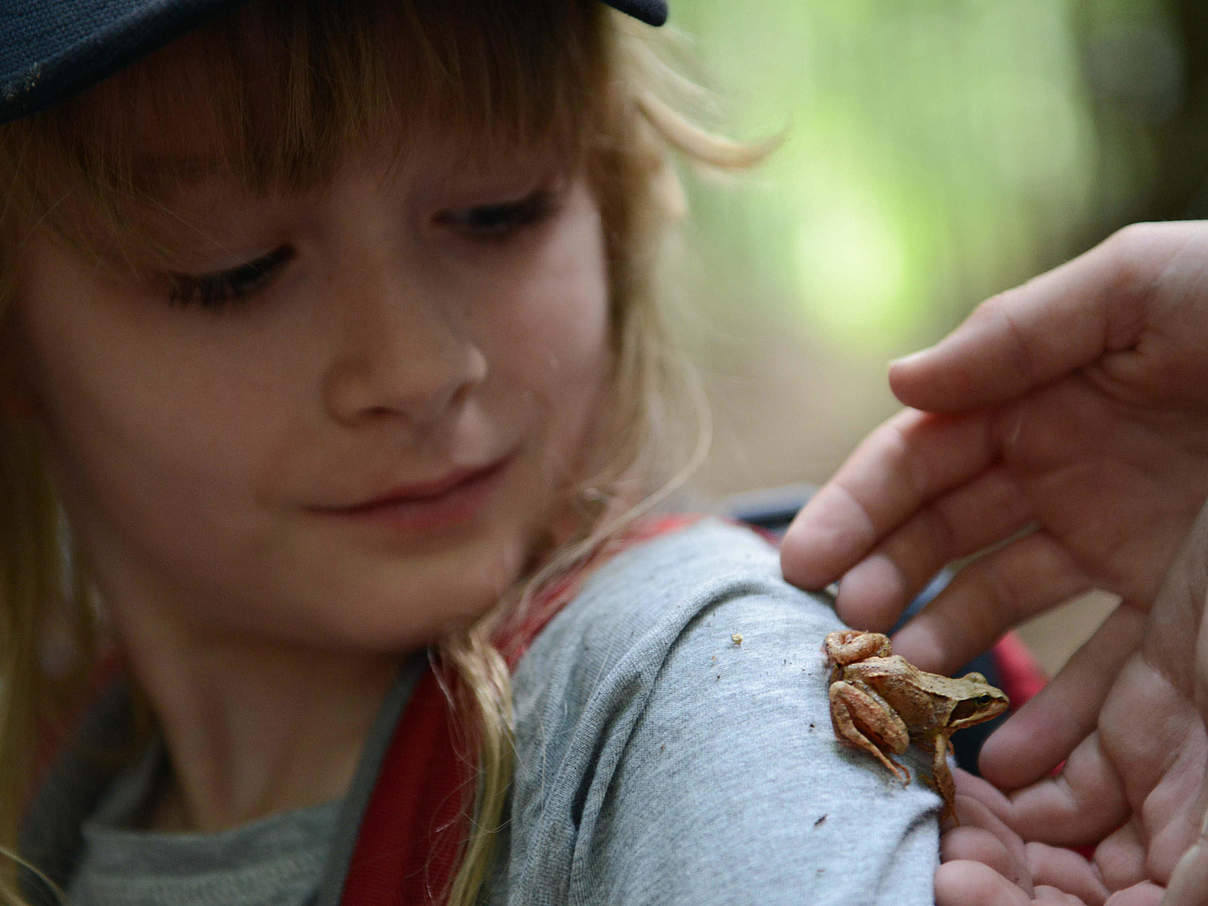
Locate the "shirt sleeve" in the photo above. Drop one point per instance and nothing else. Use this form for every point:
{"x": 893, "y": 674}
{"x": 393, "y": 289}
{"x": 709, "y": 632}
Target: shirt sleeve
{"x": 674, "y": 745}
{"x": 731, "y": 786}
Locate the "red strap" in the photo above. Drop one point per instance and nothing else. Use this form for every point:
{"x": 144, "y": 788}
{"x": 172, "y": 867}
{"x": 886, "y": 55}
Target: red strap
{"x": 411, "y": 835}
{"x": 1020, "y": 674}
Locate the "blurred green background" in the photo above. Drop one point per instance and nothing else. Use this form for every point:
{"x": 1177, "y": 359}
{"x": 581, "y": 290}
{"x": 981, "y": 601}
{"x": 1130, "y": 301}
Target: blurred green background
{"x": 936, "y": 152}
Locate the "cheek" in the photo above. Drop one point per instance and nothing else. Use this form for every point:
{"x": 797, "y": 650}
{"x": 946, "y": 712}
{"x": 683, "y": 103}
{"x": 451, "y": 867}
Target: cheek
{"x": 559, "y": 325}
{"x": 138, "y": 432}
{"x": 563, "y": 356}
{"x": 109, "y": 409}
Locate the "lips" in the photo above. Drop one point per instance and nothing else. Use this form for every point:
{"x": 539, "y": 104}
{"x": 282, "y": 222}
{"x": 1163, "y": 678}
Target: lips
{"x": 453, "y": 499}
{"x": 424, "y": 491}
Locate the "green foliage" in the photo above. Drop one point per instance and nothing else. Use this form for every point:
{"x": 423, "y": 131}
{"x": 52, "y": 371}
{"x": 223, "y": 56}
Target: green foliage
{"x": 937, "y": 150}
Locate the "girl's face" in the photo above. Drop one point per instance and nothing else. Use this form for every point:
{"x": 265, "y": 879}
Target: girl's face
{"x": 342, "y": 417}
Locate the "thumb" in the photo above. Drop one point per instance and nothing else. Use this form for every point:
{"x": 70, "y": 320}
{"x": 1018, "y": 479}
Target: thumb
{"x": 1028, "y": 336}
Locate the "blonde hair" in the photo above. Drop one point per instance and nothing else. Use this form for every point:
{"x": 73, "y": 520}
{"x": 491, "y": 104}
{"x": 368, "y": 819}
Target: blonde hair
{"x": 290, "y": 86}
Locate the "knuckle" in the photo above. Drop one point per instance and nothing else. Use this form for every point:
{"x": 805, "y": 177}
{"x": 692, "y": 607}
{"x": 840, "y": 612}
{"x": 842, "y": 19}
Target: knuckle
{"x": 991, "y": 602}
{"x": 908, "y": 468}
{"x": 1021, "y": 353}
{"x": 940, "y": 532}
{"x": 1000, "y": 313}
{"x": 895, "y": 453}
{"x": 1130, "y": 262}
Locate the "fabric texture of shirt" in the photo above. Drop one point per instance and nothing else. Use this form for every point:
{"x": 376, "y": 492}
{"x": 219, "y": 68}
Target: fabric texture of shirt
{"x": 673, "y": 745}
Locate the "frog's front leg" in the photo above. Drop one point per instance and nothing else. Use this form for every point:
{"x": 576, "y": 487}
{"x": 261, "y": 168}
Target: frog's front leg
{"x": 942, "y": 776}
{"x": 863, "y": 719}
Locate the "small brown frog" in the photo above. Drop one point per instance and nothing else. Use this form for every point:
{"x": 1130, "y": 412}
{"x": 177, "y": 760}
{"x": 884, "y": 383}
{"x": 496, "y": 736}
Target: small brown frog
{"x": 880, "y": 702}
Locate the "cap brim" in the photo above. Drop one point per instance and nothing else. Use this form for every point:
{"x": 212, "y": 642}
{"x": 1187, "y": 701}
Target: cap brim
{"x": 652, "y": 12}
{"x": 51, "y": 51}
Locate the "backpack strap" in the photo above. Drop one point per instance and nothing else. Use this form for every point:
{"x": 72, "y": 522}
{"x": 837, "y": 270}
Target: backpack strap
{"x": 410, "y": 834}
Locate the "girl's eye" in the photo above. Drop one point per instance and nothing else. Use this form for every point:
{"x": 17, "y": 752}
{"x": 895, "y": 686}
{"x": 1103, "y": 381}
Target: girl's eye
{"x": 229, "y": 286}
{"x": 498, "y": 221}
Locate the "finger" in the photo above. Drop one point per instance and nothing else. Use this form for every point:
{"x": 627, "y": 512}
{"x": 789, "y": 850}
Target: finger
{"x": 983, "y": 835}
{"x": 1144, "y": 894}
{"x": 1065, "y": 870}
{"x": 987, "y": 510}
{"x": 989, "y": 834}
{"x": 1200, "y": 682}
{"x": 962, "y": 883}
{"x": 905, "y": 462}
{"x": 1149, "y": 760}
{"x": 1122, "y": 857}
{"x": 1189, "y": 879}
{"x": 1171, "y": 783}
{"x": 1052, "y": 896}
{"x": 1028, "y": 336}
{"x": 1082, "y": 805}
{"x": 988, "y": 597}
{"x": 1038, "y": 737}
{"x": 982, "y": 845}
{"x": 974, "y": 791}
{"x": 1178, "y": 626}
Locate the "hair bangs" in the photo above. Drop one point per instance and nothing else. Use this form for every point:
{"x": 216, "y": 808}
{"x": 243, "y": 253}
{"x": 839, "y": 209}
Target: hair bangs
{"x": 277, "y": 93}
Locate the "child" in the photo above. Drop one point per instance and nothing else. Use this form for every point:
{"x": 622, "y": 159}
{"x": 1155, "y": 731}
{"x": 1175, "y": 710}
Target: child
{"x": 333, "y": 383}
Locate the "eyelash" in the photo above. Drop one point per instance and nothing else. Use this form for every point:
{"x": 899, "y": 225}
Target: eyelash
{"x": 215, "y": 290}
{"x": 497, "y": 222}
{"x": 488, "y": 223}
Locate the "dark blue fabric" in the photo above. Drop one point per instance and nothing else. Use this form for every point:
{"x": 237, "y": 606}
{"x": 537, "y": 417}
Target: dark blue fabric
{"x": 51, "y": 49}
{"x": 652, "y": 12}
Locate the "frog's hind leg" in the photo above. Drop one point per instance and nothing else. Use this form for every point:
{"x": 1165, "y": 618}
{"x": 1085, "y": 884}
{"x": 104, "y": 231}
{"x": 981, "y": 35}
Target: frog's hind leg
{"x": 858, "y": 714}
{"x": 850, "y": 645}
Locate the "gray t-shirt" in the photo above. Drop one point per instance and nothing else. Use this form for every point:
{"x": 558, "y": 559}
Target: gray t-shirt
{"x": 673, "y": 746}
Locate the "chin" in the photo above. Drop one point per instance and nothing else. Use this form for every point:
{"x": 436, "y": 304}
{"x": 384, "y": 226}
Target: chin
{"x": 406, "y": 612}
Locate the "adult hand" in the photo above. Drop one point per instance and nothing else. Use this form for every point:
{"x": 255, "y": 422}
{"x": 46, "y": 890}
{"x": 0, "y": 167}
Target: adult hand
{"x": 1075, "y": 406}
{"x": 1138, "y": 783}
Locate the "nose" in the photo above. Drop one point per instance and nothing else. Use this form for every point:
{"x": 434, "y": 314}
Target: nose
{"x": 400, "y": 353}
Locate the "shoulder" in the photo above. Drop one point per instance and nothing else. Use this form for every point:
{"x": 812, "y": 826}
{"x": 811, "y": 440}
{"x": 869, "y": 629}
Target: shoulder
{"x": 704, "y": 603}
{"x": 674, "y": 720}
{"x": 651, "y": 594}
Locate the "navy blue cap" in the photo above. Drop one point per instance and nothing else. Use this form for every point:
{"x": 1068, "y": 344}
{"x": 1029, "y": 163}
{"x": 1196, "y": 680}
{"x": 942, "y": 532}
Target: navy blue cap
{"x": 51, "y": 49}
